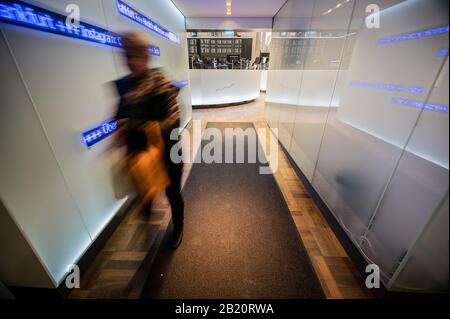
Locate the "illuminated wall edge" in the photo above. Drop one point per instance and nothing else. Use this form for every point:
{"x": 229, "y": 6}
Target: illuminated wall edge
{"x": 78, "y": 255}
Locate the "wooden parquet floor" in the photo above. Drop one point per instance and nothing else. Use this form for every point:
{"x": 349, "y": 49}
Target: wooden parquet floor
{"x": 337, "y": 274}
{"x": 120, "y": 269}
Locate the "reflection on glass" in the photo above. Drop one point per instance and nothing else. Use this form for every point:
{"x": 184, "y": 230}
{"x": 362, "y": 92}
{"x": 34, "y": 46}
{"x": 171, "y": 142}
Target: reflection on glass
{"x": 221, "y": 50}
{"x": 364, "y": 114}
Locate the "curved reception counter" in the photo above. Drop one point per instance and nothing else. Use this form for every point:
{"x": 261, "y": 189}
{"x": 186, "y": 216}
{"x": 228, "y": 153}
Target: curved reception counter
{"x": 223, "y": 87}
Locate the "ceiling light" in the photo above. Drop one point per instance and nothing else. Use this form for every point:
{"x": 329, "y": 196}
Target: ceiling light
{"x": 228, "y": 4}
{"x": 336, "y": 7}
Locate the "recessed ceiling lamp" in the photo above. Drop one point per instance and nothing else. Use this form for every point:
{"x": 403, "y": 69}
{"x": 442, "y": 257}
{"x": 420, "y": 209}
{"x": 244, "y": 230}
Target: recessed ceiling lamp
{"x": 228, "y": 2}
{"x": 336, "y": 7}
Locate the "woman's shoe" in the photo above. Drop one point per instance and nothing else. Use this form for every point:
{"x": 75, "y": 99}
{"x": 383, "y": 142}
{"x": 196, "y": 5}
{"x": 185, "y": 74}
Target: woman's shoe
{"x": 177, "y": 238}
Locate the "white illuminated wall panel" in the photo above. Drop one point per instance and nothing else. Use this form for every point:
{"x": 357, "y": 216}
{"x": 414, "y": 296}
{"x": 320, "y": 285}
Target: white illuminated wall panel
{"x": 32, "y": 187}
{"x": 430, "y": 139}
{"x": 58, "y": 191}
{"x": 307, "y": 136}
{"x": 407, "y": 64}
{"x": 72, "y": 99}
{"x": 283, "y": 86}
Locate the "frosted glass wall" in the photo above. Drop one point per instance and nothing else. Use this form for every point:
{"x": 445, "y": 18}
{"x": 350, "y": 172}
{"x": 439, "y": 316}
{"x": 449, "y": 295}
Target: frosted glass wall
{"x": 59, "y": 192}
{"x": 364, "y": 114}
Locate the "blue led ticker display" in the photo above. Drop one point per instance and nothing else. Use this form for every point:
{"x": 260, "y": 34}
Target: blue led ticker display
{"x": 180, "y": 84}
{"x": 23, "y": 14}
{"x": 132, "y": 14}
{"x": 420, "y": 105}
{"x": 99, "y": 133}
{"x": 443, "y": 52}
{"x": 388, "y": 87}
{"x": 33, "y": 17}
{"x": 414, "y": 35}
{"x": 154, "y": 51}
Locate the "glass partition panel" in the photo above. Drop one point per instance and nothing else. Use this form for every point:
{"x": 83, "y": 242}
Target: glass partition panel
{"x": 417, "y": 186}
{"x": 288, "y": 51}
{"x": 371, "y": 116}
{"x": 426, "y": 268}
{"x": 391, "y": 74}
{"x": 323, "y": 71}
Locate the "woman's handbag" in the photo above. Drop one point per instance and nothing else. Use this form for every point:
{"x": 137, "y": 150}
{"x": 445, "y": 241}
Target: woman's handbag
{"x": 147, "y": 168}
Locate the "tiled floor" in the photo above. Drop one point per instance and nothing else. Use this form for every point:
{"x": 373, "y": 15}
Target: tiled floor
{"x": 120, "y": 269}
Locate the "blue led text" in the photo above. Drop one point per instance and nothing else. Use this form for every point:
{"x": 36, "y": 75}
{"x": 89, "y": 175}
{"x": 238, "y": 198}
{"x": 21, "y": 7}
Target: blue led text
{"x": 388, "y": 87}
{"x": 420, "y": 105}
{"x": 443, "y": 52}
{"x": 414, "y": 35}
{"x": 127, "y": 11}
{"x": 99, "y": 133}
{"x": 26, "y": 15}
